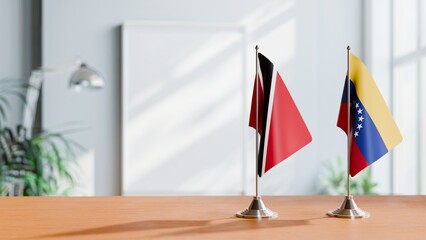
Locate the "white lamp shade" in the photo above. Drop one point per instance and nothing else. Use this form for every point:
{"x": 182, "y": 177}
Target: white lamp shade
{"x": 86, "y": 77}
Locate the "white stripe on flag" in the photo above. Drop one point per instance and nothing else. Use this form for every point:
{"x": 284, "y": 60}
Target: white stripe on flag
{"x": 268, "y": 119}
{"x": 260, "y": 76}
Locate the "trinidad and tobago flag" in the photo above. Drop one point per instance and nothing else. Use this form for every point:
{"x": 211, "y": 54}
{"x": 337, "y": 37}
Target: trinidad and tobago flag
{"x": 373, "y": 132}
{"x": 282, "y": 129}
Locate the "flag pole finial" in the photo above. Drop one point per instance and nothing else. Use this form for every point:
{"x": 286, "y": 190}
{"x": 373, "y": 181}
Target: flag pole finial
{"x": 348, "y": 48}
{"x": 257, "y": 48}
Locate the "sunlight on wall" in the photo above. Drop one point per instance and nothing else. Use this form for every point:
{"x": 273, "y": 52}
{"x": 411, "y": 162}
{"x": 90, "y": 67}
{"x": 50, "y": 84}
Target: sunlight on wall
{"x": 202, "y": 54}
{"x": 265, "y": 13}
{"x": 187, "y": 100}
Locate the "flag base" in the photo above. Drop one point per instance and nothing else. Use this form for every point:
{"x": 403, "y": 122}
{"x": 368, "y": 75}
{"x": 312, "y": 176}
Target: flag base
{"x": 348, "y": 209}
{"x": 257, "y": 209}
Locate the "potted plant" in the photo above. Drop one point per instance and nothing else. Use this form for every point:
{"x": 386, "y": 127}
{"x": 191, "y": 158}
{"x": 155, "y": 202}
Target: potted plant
{"x": 333, "y": 180}
{"x": 40, "y": 164}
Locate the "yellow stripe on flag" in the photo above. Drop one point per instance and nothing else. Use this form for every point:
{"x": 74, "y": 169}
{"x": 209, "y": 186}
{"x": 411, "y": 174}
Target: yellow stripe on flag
{"x": 373, "y": 102}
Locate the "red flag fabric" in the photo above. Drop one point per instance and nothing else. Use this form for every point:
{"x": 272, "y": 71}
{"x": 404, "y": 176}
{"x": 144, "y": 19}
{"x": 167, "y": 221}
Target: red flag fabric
{"x": 280, "y": 124}
{"x": 252, "y": 121}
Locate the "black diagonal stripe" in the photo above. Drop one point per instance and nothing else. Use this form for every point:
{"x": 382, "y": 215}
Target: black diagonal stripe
{"x": 266, "y": 68}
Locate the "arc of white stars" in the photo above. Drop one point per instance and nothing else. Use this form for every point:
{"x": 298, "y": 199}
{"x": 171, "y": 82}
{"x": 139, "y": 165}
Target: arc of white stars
{"x": 360, "y": 118}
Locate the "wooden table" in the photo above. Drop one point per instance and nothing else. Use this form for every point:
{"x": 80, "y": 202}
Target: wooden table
{"x": 301, "y": 217}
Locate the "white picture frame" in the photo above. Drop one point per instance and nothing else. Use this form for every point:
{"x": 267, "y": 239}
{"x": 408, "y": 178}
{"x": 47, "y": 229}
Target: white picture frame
{"x": 183, "y": 112}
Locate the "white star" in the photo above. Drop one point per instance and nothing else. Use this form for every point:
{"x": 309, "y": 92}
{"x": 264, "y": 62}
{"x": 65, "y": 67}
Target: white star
{"x": 356, "y": 134}
{"x": 360, "y": 118}
{"x": 360, "y": 111}
{"x": 357, "y": 105}
{"x": 359, "y": 126}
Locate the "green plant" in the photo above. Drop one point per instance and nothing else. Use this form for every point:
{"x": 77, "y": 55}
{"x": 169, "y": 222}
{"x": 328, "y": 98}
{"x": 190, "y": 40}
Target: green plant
{"x": 35, "y": 165}
{"x": 334, "y": 179}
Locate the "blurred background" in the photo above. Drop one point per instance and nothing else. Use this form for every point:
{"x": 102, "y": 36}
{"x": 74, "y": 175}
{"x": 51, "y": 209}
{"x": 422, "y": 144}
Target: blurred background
{"x": 172, "y": 117}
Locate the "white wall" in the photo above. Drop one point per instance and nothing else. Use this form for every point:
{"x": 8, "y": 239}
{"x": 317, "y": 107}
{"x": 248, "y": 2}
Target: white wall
{"x": 306, "y": 39}
{"x": 15, "y": 47}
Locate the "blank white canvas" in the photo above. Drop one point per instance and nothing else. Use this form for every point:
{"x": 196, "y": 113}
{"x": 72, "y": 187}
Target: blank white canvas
{"x": 182, "y": 109}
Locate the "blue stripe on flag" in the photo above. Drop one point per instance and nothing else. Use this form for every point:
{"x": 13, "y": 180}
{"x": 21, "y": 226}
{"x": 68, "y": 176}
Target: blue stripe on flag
{"x": 365, "y": 133}
{"x": 345, "y": 91}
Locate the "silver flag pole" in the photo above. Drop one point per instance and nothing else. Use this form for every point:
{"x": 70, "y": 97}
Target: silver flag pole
{"x": 348, "y": 209}
{"x": 257, "y": 208}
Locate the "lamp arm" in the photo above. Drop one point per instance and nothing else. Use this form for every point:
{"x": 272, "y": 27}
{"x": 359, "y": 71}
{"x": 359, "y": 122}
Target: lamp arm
{"x": 33, "y": 93}
{"x": 31, "y": 100}
{"x": 48, "y": 71}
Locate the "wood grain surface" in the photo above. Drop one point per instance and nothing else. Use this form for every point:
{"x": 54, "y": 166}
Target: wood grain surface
{"x": 300, "y": 217}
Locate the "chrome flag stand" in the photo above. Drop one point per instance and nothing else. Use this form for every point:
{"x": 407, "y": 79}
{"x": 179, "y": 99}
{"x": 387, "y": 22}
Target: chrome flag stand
{"x": 348, "y": 209}
{"x": 257, "y": 208}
